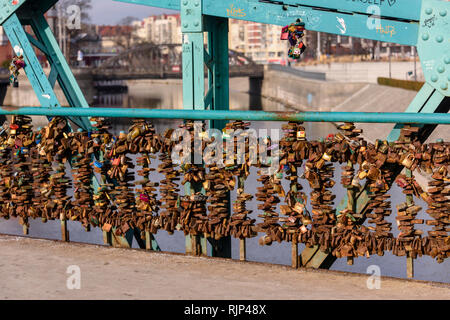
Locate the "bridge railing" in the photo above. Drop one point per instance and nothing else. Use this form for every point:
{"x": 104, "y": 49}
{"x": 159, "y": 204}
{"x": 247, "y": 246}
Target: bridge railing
{"x": 34, "y": 182}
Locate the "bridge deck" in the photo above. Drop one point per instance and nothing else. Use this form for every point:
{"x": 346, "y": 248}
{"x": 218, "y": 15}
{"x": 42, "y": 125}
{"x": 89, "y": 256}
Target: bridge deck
{"x": 36, "y": 269}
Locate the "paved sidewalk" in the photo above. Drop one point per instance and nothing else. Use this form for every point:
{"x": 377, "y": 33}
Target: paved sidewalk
{"x": 37, "y": 269}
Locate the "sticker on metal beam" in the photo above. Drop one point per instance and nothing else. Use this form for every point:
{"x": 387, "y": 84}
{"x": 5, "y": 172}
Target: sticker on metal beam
{"x": 191, "y": 16}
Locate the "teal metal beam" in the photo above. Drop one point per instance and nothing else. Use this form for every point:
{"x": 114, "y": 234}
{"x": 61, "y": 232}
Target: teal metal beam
{"x": 8, "y": 8}
{"x": 400, "y": 25}
{"x": 427, "y": 100}
{"x": 37, "y": 44}
{"x": 400, "y": 9}
{"x": 52, "y": 77}
{"x": 219, "y": 72}
{"x": 193, "y": 54}
{"x": 358, "y": 117}
{"x": 65, "y": 77}
{"x": 33, "y": 69}
{"x": 219, "y": 90}
{"x": 433, "y": 44}
{"x": 167, "y": 4}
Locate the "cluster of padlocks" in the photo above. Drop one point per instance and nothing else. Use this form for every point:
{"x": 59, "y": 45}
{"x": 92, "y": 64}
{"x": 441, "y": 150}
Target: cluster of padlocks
{"x": 34, "y": 184}
{"x": 294, "y": 34}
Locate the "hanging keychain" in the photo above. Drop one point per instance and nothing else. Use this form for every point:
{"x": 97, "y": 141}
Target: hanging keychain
{"x": 17, "y": 63}
{"x": 294, "y": 33}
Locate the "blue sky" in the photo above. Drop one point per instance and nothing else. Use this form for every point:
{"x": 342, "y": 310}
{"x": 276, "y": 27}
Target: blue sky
{"x": 111, "y": 12}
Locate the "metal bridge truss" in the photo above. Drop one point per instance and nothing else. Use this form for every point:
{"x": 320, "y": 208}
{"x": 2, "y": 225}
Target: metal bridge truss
{"x": 150, "y": 61}
{"x": 421, "y": 23}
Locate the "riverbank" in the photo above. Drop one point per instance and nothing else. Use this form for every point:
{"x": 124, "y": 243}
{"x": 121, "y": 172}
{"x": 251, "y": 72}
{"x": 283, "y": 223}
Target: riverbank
{"x": 37, "y": 269}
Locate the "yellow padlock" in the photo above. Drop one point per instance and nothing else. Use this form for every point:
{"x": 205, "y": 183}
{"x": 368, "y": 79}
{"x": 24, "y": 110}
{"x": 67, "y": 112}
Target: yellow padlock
{"x": 355, "y": 182}
{"x": 373, "y": 173}
{"x": 301, "y": 134}
{"x": 326, "y": 157}
{"x": 408, "y": 160}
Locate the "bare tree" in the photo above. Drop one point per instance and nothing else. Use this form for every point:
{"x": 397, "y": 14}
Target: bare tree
{"x": 125, "y": 36}
{"x": 84, "y": 5}
{"x": 127, "y": 21}
{"x": 70, "y": 18}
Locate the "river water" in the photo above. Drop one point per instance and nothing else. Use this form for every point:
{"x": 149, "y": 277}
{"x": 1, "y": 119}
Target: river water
{"x": 169, "y": 95}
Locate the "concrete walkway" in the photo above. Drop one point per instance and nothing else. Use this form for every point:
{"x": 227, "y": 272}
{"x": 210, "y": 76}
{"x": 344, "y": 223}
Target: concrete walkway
{"x": 37, "y": 269}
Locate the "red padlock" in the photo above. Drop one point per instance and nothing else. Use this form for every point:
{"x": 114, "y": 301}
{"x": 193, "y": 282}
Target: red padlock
{"x": 116, "y": 162}
{"x": 284, "y": 33}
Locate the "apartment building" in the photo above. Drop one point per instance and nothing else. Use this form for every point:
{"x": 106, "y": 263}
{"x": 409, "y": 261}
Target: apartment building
{"x": 260, "y": 42}
{"x": 161, "y": 29}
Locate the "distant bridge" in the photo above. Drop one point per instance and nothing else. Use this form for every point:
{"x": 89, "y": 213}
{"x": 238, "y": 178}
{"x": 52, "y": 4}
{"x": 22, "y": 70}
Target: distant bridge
{"x": 151, "y": 61}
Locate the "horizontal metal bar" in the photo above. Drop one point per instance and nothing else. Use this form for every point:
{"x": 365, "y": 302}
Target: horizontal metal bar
{"x": 354, "y": 20}
{"x": 358, "y": 117}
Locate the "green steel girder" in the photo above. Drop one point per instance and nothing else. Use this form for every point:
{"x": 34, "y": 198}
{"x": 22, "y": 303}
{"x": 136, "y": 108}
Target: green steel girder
{"x": 8, "y": 8}
{"x": 60, "y": 68}
{"x": 193, "y": 56}
{"x": 434, "y": 44}
{"x": 33, "y": 69}
{"x": 218, "y": 83}
{"x": 191, "y": 16}
{"x": 24, "y": 8}
{"x": 442, "y": 117}
{"x": 400, "y": 9}
{"x": 398, "y": 22}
